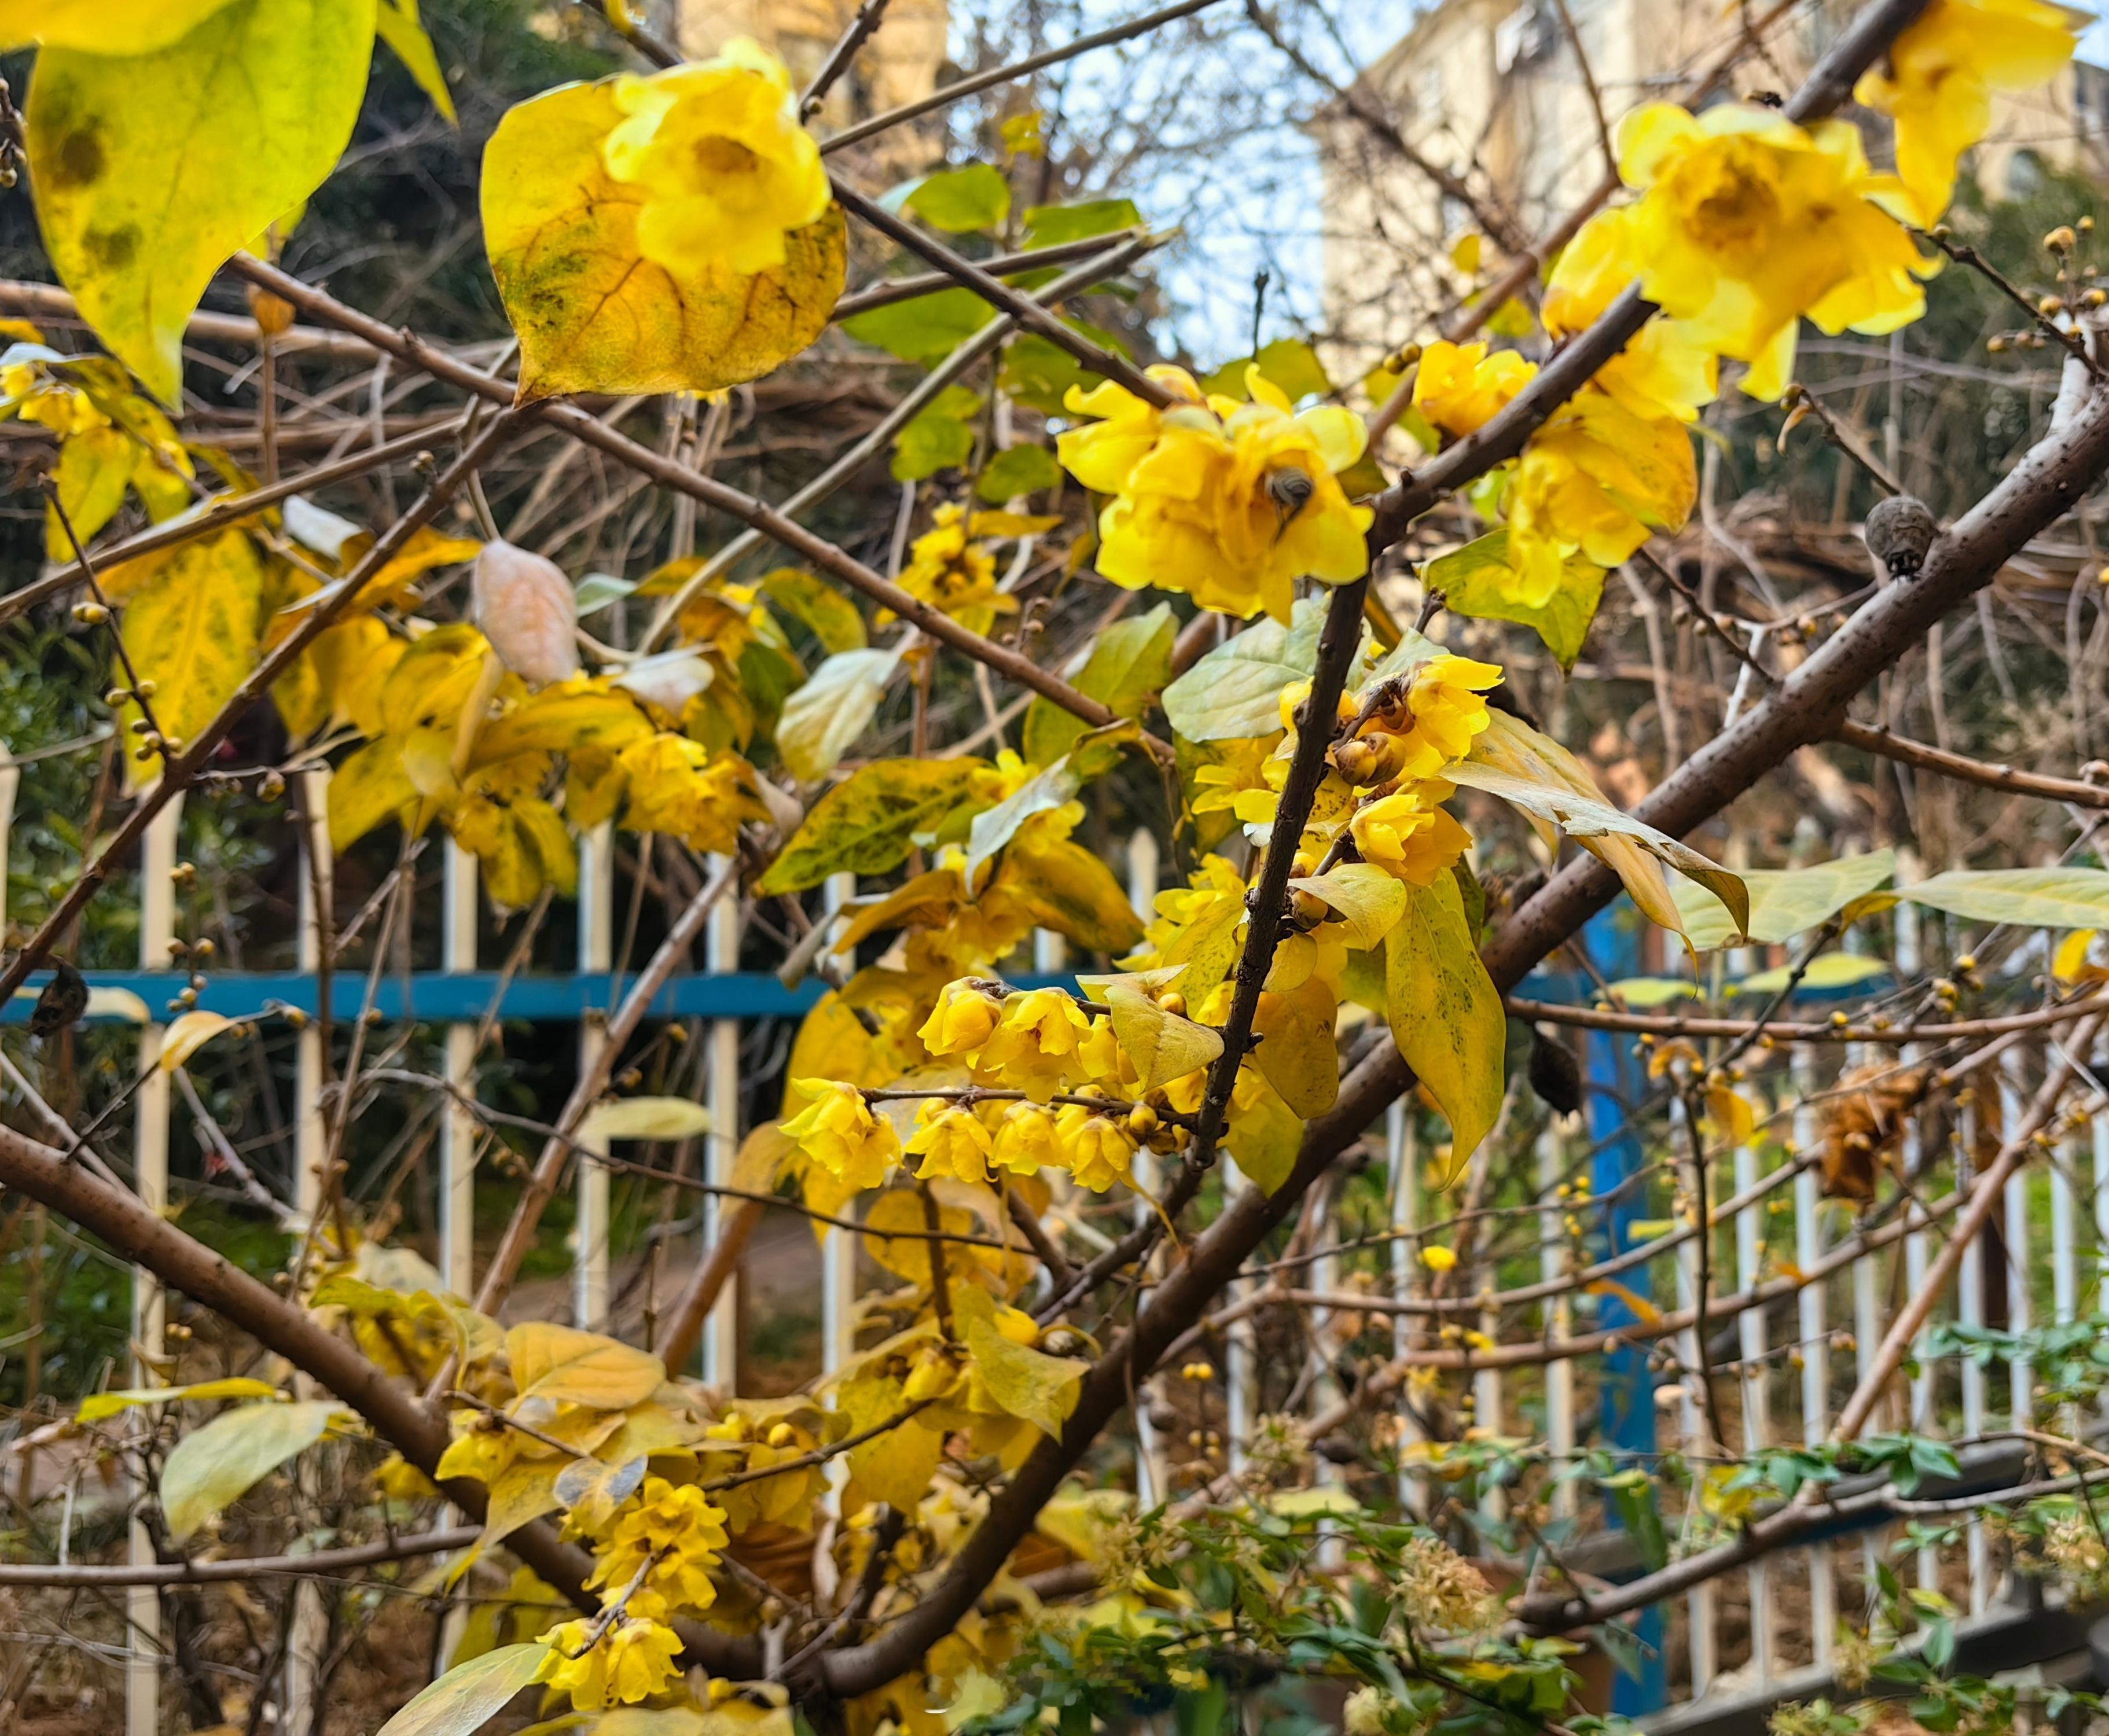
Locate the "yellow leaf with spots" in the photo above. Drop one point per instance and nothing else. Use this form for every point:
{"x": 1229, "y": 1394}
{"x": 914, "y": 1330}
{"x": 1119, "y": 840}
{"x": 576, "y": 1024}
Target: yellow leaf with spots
{"x": 1296, "y": 1054}
{"x": 94, "y": 26}
{"x": 1446, "y": 1014}
{"x": 368, "y": 790}
{"x": 592, "y": 313}
{"x": 194, "y": 630}
{"x": 153, "y": 167}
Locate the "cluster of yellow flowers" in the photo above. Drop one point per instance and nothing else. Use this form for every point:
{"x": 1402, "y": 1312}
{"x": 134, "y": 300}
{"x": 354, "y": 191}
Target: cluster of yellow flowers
{"x": 1229, "y": 502}
{"x": 956, "y": 574}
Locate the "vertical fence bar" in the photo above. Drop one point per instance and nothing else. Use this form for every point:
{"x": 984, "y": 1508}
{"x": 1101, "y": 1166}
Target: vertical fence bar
{"x": 1750, "y": 1335}
{"x": 596, "y": 954}
{"x": 1917, "y": 1251}
{"x": 839, "y": 1251}
{"x": 1050, "y": 955}
{"x": 1969, "y": 1311}
{"x": 308, "y": 1641}
{"x": 150, "y": 1318}
{"x": 1552, "y": 1266}
{"x": 2014, "y": 1198}
{"x": 1815, "y": 1345}
{"x": 1702, "y": 1604}
{"x": 1404, "y": 1183}
{"x": 458, "y": 1131}
{"x": 721, "y": 956}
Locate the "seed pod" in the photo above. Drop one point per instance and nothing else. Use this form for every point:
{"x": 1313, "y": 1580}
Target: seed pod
{"x": 1899, "y": 532}
{"x": 524, "y": 605}
{"x": 1554, "y": 1074}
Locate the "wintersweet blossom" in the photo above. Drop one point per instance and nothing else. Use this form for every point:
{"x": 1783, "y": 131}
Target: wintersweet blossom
{"x": 961, "y": 1023}
{"x": 1432, "y": 724}
{"x": 1459, "y": 386}
{"x": 1664, "y": 371}
{"x": 952, "y": 1143}
{"x": 1747, "y": 222}
{"x": 673, "y": 1535}
{"x": 1409, "y": 834}
{"x": 954, "y": 574}
{"x": 631, "y": 1661}
{"x": 1937, "y": 80}
{"x": 1095, "y": 1148}
{"x": 1229, "y": 502}
{"x": 723, "y": 168}
{"x": 840, "y": 1131}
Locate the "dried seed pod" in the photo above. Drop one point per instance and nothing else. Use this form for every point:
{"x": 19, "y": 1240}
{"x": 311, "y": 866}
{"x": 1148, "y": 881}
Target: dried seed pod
{"x": 524, "y": 605}
{"x": 1899, "y": 532}
{"x": 1554, "y": 1074}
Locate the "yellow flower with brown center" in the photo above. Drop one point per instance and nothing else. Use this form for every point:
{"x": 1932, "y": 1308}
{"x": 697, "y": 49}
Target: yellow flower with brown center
{"x": 1459, "y": 386}
{"x": 1433, "y": 724}
{"x": 1748, "y": 223}
{"x": 955, "y": 574}
{"x": 1409, "y": 834}
{"x": 951, "y": 1142}
{"x": 724, "y": 166}
{"x": 840, "y": 1132}
{"x": 1938, "y": 78}
{"x": 633, "y": 1661}
{"x": 1231, "y": 503}
{"x": 1664, "y": 371}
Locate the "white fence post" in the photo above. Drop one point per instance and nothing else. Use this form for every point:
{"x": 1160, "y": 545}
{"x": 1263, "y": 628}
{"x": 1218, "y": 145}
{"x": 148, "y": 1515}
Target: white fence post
{"x": 458, "y": 1132}
{"x": 589, "y": 1233}
{"x": 1050, "y": 954}
{"x": 1757, "y": 1416}
{"x": 1815, "y": 1345}
{"x": 722, "y": 957}
{"x": 157, "y": 928}
{"x": 1404, "y": 1160}
{"x": 1552, "y": 1264}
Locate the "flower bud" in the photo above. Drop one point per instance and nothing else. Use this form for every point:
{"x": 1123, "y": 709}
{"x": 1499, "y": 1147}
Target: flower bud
{"x": 90, "y": 614}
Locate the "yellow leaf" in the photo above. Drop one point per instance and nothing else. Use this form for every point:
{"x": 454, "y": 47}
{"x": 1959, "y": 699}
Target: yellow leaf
{"x": 866, "y": 824}
{"x": 1163, "y": 1045}
{"x": 1296, "y": 1054}
{"x": 1370, "y": 899}
{"x": 433, "y": 677}
{"x": 1729, "y": 1116}
{"x": 645, "y": 1118}
{"x": 99, "y": 1405}
{"x": 188, "y": 1035}
{"x": 1464, "y": 252}
{"x": 397, "y": 24}
{"x": 1446, "y": 1014}
{"x": 591, "y": 312}
{"x": 2069, "y": 964}
{"x": 562, "y": 1363}
{"x": 899, "y": 1238}
{"x": 368, "y": 790}
{"x": 152, "y": 167}
{"x": 471, "y": 1694}
{"x": 896, "y": 1467}
{"x": 95, "y": 26}
{"x": 212, "y": 1466}
{"x": 194, "y": 630}
{"x": 94, "y": 466}
{"x": 1642, "y": 1309}
{"x": 556, "y": 720}
{"x": 1264, "y": 1137}
{"x": 1063, "y": 887}
{"x": 1028, "y": 1384}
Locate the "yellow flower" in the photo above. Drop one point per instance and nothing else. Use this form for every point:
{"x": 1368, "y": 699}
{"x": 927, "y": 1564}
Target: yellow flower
{"x": 1666, "y": 370}
{"x": 1031, "y": 1049}
{"x": 1593, "y": 481}
{"x": 1747, "y": 222}
{"x": 838, "y": 1130}
{"x": 1459, "y": 385}
{"x": 675, "y": 1529}
{"x": 1095, "y": 1149}
{"x": 1434, "y": 726}
{"x": 716, "y": 151}
{"x": 1229, "y": 502}
{"x": 1409, "y": 834}
{"x": 482, "y": 1448}
{"x": 950, "y": 1141}
{"x": 961, "y": 1021}
{"x": 1100, "y": 1059}
{"x": 1025, "y": 1140}
{"x": 1235, "y": 770}
{"x": 678, "y": 787}
{"x": 1937, "y": 82}
{"x": 1438, "y": 1258}
{"x": 954, "y": 576}
{"x": 633, "y": 1661}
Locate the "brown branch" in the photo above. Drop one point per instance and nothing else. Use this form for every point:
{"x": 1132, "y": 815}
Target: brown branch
{"x": 1669, "y": 1024}
{"x": 1871, "y": 739}
{"x": 684, "y": 1330}
{"x": 89, "y": 1577}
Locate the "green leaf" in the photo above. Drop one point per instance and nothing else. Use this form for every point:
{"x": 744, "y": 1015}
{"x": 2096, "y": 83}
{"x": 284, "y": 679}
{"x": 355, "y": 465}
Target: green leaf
{"x": 1038, "y": 372}
{"x": 1784, "y": 902}
{"x": 1287, "y": 363}
{"x": 1015, "y": 471}
{"x": 960, "y": 200}
{"x": 1473, "y": 580}
{"x": 1054, "y": 225}
{"x": 867, "y": 823}
{"x": 596, "y": 591}
{"x": 1129, "y": 661}
{"x": 1632, "y": 1497}
{"x": 645, "y": 1118}
{"x": 828, "y": 614}
{"x": 1641, "y": 993}
{"x": 1832, "y": 971}
{"x": 469, "y": 1696}
{"x": 924, "y": 327}
{"x": 824, "y": 718}
{"x": 994, "y": 828}
{"x": 215, "y": 1466}
{"x": 2028, "y": 898}
{"x": 397, "y": 23}
{"x": 1445, "y": 1014}
{"x": 940, "y": 437}
{"x": 1235, "y": 692}
{"x": 151, "y": 170}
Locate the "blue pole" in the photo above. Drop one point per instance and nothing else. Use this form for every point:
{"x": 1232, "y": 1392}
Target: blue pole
{"x": 1627, "y": 1420}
